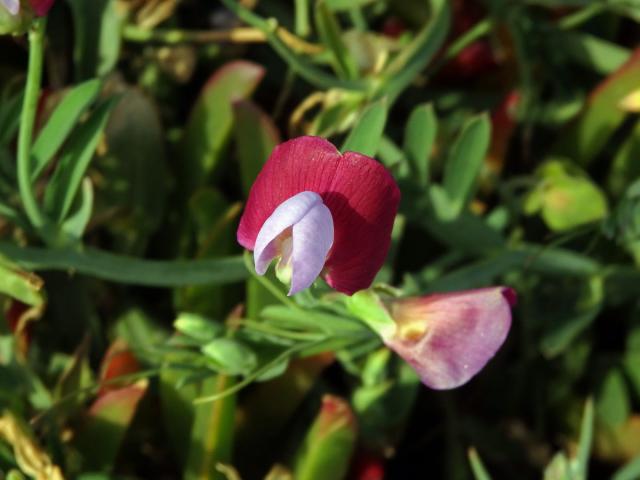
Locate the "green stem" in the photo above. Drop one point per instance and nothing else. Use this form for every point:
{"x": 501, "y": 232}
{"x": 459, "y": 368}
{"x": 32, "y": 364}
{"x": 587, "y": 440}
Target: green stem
{"x": 127, "y": 269}
{"x": 286, "y": 354}
{"x": 27, "y": 121}
{"x": 300, "y": 65}
{"x": 174, "y": 36}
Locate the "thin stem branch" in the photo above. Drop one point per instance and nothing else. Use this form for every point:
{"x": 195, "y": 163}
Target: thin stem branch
{"x": 27, "y": 121}
{"x": 283, "y": 42}
{"x": 170, "y": 36}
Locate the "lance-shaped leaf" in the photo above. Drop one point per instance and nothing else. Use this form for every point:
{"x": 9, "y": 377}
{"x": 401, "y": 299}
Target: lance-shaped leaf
{"x": 367, "y": 132}
{"x": 464, "y": 163}
{"x": 419, "y": 137}
{"x": 61, "y": 123}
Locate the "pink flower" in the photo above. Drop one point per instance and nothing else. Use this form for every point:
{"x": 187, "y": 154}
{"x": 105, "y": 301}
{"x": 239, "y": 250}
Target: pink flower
{"x": 320, "y": 212}
{"x": 448, "y": 338}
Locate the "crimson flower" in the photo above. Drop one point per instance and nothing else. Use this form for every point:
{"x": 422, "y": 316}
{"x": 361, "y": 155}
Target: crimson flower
{"x": 321, "y": 213}
{"x": 448, "y": 338}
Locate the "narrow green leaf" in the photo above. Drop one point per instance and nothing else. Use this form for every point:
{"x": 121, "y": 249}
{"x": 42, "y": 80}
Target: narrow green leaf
{"x": 465, "y": 161}
{"x": 585, "y": 441}
{"x": 477, "y": 467}
{"x": 97, "y": 37}
{"x": 61, "y": 123}
{"x": 127, "y": 269}
{"x": 367, "y": 133}
{"x": 330, "y": 34}
{"x": 74, "y": 161}
{"x": 212, "y": 433}
{"x": 23, "y": 286}
{"x": 75, "y": 225}
{"x": 419, "y": 136}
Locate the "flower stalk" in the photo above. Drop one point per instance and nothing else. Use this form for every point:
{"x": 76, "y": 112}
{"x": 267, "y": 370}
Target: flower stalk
{"x": 27, "y": 122}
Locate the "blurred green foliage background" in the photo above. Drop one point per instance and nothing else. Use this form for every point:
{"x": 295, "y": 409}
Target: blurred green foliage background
{"x": 136, "y": 343}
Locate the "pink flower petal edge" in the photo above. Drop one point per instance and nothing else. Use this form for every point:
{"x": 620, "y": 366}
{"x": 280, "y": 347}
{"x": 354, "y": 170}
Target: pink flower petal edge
{"x": 449, "y": 338}
{"x": 360, "y": 194}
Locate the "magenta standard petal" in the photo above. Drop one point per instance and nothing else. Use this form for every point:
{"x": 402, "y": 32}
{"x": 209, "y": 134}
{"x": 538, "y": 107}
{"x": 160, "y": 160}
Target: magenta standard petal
{"x": 41, "y": 7}
{"x": 283, "y": 217}
{"x": 448, "y": 338}
{"x": 361, "y": 195}
{"x": 12, "y": 6}
{"x": 363, "y": 200}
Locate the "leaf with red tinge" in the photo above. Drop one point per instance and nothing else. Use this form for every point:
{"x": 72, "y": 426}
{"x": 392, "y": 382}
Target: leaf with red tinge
{"x": 117, "y": 362}
{"x": 211, "y": 119}
{"x": 106, "y": 425}
{"x": 602, "y": 115}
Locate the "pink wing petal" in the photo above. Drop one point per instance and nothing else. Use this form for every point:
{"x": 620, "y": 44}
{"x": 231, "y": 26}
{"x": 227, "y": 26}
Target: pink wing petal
{"x": 449, "y": 338}
{"x": 361, "y": 195}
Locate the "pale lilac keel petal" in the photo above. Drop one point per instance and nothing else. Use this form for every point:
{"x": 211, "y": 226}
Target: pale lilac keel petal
{"x": 287, "y": 214}
{"x": 312, "y": 240}
{"x": 12, "y": 6}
